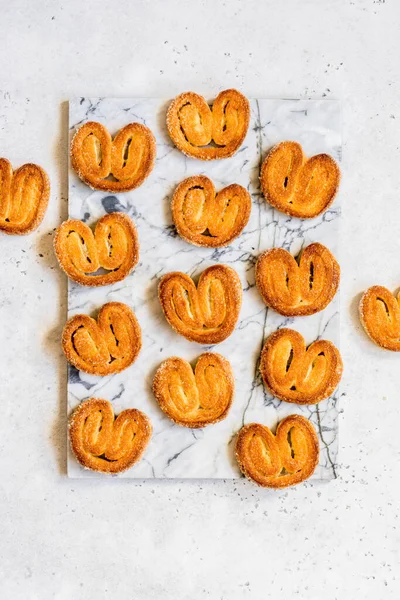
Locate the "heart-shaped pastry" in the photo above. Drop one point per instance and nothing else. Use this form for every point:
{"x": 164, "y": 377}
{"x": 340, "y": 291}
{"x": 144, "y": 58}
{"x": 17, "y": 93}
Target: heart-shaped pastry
{"x": 113, "y": 165}
{"x": 294, "y": 373}
{"x": 204, "y": 218}
{"x": 108, "y": 345}
{"x": 193, "y": 126}
{"x": 199, "y": 398}
{"x": 298, "y": 186}
{"x": 281, "y": 460}
{"x": 114, "y": 246}
{"x": 206, "y": 314}
{"x": 297, "y": 288}
{"x": 24, "y": 196}
{"x": 104, "y": 443}
{"x": 380, "y": 317}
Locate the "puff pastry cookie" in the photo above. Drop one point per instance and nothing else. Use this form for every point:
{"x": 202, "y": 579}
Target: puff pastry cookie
{"x": 199, "y": 398}
{"x": 297, "y": 288}
{"x": 298, "y": 186}
{"x": 206, "y": 314}
{"x": 204, "y": 218}
{"x": 104, "y": 443}
{"x": 114, "y": 246}
{"x": 113, "y": 165}
{"x": 294, "y": 373}
{"x": 380, "y": 317}
{"x": 24, "y": 195}
{"x": 281, "y": 460}
{"x": 193, "y": 126}
{"x": 106, "y": 346}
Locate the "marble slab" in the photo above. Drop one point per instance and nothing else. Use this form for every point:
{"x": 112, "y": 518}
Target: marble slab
{"x": 177, "y": 452}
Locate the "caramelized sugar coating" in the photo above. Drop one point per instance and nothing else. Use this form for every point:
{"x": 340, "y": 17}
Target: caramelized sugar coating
{"x": 380, "y": 317}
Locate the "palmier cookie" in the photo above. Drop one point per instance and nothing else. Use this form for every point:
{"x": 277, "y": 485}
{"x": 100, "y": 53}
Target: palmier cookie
{"x": 281, "y": 460}
{"x": 24, "y": 195}
{"x": 380, "y": 317}
{"x": 199, "y": 398}
{"x": 193, "y": 126}
{"x": 206, "y": 314}
{"x": 106, "y": 346}
{"x": 113, "y": 165}
{"x": 114, "y": 246}
{"x": 297, "y": 288}
{"x": 204, "y": 218}
{"x": 104, "y": 443}
{"x": 298, "y": 186}
{"x": 294, "y": 373}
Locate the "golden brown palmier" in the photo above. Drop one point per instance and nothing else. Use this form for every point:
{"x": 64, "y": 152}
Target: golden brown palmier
{"x": 380, "y": 317}
{"x": 113, "y": 165}
{"x": 297, "y": 288}
{"x": 206, "y": 314}
{"x": 24, "y": 195}
{"x": 104, "y": 443}
{"x": 294, "y": 373}
{"x": 204, "y": 218}
{"x": 193, "y": 126}
{"x": 108, "y": 345}
{"x": 298, "y": 186}
{"x": 281, "y": 460}
{"x": 114, "y": 246}
{"x": 199, "y": 398}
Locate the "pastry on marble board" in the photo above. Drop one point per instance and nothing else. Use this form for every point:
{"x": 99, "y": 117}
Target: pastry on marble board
{"x": 104, "y": 346}
{"x": 104, "y": 443}
{"x": 206, "y": 313}
{"x": 299, "y": 186}
{"x": 113, "y": 247}
{"x": 205, "y": 218}
{"x": 301, "y": 286}
{"x": 380, "y": 316}
{"x": 281, "y": 460}
{"x": 209, "y": 133}
{"x": 195, "y": 398}
{"x": 299, "y": 374}
{"x": 113, "y": 165}
{"x": 24, "y": 195}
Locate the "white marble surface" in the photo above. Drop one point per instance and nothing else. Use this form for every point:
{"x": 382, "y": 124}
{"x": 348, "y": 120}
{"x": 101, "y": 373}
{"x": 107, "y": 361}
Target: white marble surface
{"x": 87, "y": 539}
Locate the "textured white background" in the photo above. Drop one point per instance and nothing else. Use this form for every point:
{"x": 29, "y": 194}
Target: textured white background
{"x": 91, "y": 539}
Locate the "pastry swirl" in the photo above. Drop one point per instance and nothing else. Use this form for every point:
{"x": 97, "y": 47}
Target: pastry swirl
{"x": 193, "y": 126}
{"x": 107, "y": 346}
{"x": 294, "y": 373}
{"x": 195, "y": 399}
{"x": 298, "y": 186}
{"x": 380, "y": 317}
{"x": 206, "y": 314}
{"x": 281, "y": 460}
{"x": 297, "y": 288}
{"x": 204, "y": 218}
{"x": 104, "y": 443}
{"x": 24, "y": 195}
{"x": 128, "y": 158}
{"x": 114, "y": 246}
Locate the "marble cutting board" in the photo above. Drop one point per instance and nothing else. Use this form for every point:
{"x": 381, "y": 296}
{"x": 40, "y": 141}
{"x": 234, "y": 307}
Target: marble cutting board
{"x": 177, "y": 452}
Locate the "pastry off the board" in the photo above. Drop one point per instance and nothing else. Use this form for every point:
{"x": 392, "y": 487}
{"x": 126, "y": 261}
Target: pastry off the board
{"x": 294, "y": 373}
{"x": 104, "y": 346}
{"x": 301, "y": 287}
{"x": 208, "y": 133}
{"x": 105, "y": 443}
{"x": 281, "y": 460}
{"x": 114, "y": 247}
{"x": 195, "y": 398}
{"x": 208, "y": 313}
{"x": 24, "y": 195}
{"x": 205, "y": 218}
{"x": 299, "y": 186}
{"x": 380, "y": 317}
{"x": 113, "y": 165}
